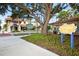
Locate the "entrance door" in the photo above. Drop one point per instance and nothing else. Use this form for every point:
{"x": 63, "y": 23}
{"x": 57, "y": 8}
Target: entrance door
{"x": 15, "y": 27}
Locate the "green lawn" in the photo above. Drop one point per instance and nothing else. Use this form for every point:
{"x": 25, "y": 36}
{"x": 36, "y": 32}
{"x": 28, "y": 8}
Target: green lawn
{"x": 52, "y": 43}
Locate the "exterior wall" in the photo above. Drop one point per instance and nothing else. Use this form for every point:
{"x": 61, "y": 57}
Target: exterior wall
{"x": 20, "y": 26}
{"x": 56, "y": 28}
{"x": 78, "y": 27}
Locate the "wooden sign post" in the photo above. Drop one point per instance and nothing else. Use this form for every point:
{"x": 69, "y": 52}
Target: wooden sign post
{"x": 68, "y": 29}
{"x": 62, "y": 38}
{"x": 72, "y": 41}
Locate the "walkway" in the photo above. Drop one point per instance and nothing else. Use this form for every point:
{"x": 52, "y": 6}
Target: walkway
{"x": 15, "y": 46}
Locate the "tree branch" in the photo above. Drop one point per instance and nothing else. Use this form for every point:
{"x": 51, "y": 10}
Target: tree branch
{"x": 23, "y": 7}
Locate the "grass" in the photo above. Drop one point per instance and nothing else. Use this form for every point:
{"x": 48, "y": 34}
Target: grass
{"x": 52, "y": 43}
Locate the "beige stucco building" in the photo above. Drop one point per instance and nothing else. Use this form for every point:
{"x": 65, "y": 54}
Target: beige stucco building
{"x": 18, "y": 24}
{"x": 14, "y": 24}
{"x": 73, "y": 20}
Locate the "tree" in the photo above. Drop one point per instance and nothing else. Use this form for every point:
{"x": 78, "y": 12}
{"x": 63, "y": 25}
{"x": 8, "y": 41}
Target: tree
{"x": 74, "y": 6}
{"x": 42, "y": 12}
{"x": 63, "y": 15}
{"x": 73, "y": 12}
{"x": 76, "y": 15}
{"x": 46, "y": 11}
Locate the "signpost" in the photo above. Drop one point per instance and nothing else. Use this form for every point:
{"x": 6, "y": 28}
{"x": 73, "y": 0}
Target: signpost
{"x": 62, "y": 38}
{"x": 68, "y": 29}
{"x": 72, "y": 40}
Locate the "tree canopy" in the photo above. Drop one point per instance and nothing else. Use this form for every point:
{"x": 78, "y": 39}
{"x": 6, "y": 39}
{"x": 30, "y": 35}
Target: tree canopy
{"x": 41, "y": 12}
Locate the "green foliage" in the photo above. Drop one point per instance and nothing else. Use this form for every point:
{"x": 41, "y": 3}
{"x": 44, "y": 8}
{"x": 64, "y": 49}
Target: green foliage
{"x": 76, "y": 15}
{"x": 74, "y": 5}
{"x": 18, "y": 14}
{"x": 63, "y": 14}
{"x": 49, "y": 27}
{"x": 52, "y": 42}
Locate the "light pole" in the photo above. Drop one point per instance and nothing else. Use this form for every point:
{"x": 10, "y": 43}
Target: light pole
{"x": 0, "y": 25}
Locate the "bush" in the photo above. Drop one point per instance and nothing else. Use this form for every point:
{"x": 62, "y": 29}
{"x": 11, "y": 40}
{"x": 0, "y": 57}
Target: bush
{"x": 48, "y": 27}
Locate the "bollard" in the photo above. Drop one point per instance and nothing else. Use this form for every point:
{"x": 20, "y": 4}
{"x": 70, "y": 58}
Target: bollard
{"x": 62, "y": 38}
{"x": 72, "y": 41}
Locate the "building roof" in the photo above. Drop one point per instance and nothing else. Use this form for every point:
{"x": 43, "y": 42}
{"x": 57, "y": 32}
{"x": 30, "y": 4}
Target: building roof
{"x": 71, "y": 20}
{"x": 9, "y": 18}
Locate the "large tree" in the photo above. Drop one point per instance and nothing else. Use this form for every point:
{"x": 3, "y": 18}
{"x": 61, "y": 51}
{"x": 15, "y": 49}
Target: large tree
{"x": 41, "y": 12}
{"x": 72, "y": 12}
{"x": 63, "y": 15}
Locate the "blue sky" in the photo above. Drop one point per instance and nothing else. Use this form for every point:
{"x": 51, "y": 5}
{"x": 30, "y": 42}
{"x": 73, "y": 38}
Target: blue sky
{"x": 54, "y": 19}
{"x": 2, "y": 18}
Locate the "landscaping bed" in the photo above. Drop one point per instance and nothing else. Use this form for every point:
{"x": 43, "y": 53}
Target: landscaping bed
{"x": 52, "y": 43}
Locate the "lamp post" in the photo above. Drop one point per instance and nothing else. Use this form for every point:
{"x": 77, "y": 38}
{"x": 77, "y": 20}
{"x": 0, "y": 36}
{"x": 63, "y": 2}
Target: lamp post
{"x": 62, "y": 38}
{"x": 0, "y": 25}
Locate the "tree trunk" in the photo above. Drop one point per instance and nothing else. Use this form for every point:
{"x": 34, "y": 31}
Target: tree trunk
{"x": 45, "y": 29}
{"x": 41, "y": 28}
{"x": 47, "y": 15}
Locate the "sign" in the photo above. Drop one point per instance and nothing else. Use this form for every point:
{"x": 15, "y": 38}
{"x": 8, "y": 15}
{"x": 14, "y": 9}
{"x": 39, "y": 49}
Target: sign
{"x": 67, "y": 28}
{"x": 29, "y": 26}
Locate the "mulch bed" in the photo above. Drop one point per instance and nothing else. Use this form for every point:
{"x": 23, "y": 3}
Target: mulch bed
{"x": 58, "y": 48}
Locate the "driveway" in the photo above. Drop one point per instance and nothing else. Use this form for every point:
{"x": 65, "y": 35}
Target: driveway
{"x": 15, "y": 46}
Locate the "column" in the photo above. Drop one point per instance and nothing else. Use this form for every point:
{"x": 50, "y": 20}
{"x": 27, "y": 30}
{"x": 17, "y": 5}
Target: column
{"x": 62, "y": 38}
{"x": 9, "y": 29}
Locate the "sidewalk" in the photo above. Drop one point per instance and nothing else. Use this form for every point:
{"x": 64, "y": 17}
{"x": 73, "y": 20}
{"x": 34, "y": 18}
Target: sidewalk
{"x": 15, "y": 46}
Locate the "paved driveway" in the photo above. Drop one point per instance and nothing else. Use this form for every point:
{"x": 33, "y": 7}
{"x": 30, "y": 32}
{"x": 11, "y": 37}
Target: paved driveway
{"x": 15, "y": 46}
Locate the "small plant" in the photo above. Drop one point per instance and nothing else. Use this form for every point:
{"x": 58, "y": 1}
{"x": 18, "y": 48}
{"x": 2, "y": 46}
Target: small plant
{"x": 52, "y": 43}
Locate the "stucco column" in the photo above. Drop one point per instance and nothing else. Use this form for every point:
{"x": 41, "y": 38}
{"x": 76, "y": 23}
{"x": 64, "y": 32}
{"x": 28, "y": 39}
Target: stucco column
{"x": 13, "y": 29}
{"x": 19, "y": 28}
{"x": 9, "y": 29}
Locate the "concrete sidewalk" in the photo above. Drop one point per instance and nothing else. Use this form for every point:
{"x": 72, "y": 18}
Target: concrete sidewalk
{"x": 15, "y": 46}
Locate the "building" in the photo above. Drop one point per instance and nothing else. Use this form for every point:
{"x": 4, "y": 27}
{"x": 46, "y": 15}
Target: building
{"x": 57, "y": 24}
{"x": 15, "y": 24}
{"x": 19, "y": 24}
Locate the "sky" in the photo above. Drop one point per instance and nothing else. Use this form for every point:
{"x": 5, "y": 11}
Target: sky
{"x": 2, "y": 18}
{"x": 40, "y": 1}
{"x": 27, "y": 1}
{"x": 53, "y": 19}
